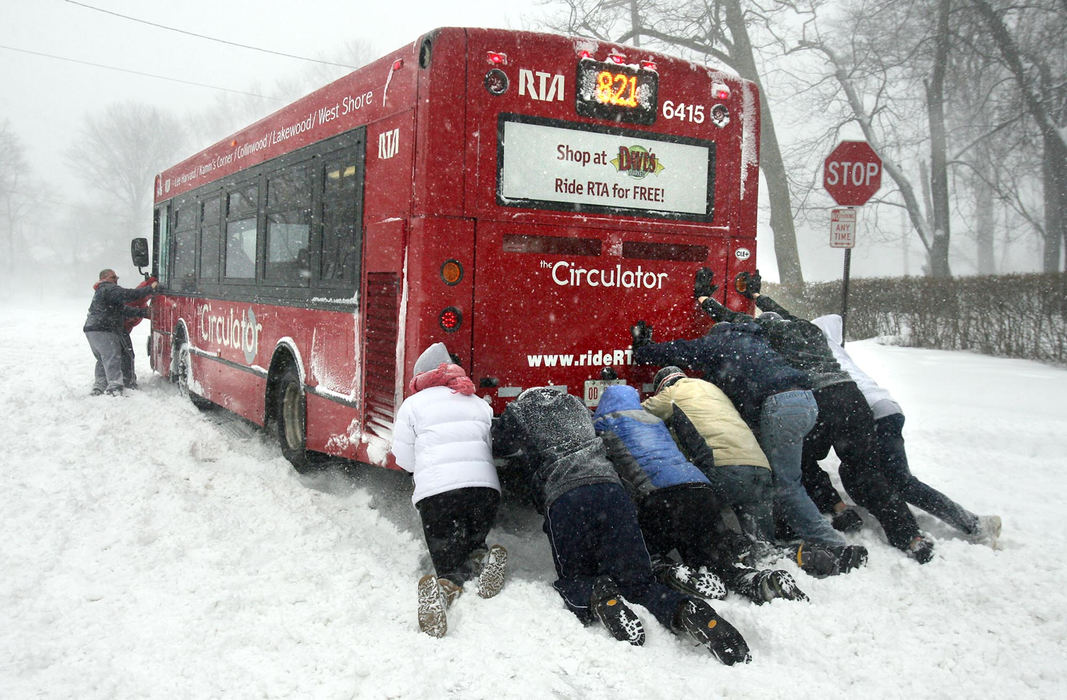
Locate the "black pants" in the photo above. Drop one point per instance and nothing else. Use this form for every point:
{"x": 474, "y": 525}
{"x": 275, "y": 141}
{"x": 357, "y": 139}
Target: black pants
{"x": 846, "y": 423}
{"x": 894, "y": 462}
{"x": 456, "y": 524}
{"x": 594, "y": 531}
{"x": 688, "y": 518}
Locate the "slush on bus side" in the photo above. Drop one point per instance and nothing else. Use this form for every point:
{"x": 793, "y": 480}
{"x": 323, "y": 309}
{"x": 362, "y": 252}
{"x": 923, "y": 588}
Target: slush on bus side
{"x": 521, "y": 197}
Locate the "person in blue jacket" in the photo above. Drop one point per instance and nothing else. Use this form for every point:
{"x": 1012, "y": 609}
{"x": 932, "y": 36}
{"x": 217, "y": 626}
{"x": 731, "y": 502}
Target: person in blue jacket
{"x": 677, "y": 508}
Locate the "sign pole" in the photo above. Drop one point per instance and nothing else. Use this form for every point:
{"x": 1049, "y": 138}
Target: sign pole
{"x": 844, "y": 294}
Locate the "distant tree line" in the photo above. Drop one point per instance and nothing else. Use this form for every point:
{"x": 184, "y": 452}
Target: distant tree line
{"x": 1022, "y": 316}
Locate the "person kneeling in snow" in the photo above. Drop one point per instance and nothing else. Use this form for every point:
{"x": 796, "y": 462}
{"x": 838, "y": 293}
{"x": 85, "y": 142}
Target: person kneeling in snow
{"x": 442, "y": 435}
{"x": 677, "y": 508}
{"x": 592, "y": 527}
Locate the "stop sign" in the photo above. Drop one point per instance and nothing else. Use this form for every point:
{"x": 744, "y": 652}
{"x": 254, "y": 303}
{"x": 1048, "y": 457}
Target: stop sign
{"x": 852, "y": 173}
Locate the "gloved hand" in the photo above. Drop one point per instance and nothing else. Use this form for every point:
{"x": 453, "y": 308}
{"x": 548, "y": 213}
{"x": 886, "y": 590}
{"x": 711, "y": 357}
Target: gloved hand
{"x": 847, "y": 520}
{"x": 702, "y": 286}
{"x": 641, "y": 333}
{"x": 748, "y": 284}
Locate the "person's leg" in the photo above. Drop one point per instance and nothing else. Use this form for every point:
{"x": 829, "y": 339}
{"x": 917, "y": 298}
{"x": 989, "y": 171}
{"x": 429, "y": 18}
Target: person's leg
{"x": 129, "y": 375}
{"x": 574, "y": 547}
{"x": 99, "y": 377}
{"x": 815, "y": 480}
{"x": 855, "y": 444}
{"x": 749, "y": 491}
{"x": 448, "y": 535}
{"x": 785, "y": 420}
{"x": 108, "y": 350}
{"x": 894, "y": 461}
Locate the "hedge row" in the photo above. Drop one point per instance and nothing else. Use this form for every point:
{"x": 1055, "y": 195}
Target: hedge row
{"x": 1005, "y": 315}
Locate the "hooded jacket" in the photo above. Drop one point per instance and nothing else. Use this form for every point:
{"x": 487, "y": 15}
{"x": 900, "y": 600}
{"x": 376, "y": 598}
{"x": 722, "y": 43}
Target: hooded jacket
{"x": 107, "y": 310}
{"x": 878, "y": 398}
{"x": 640, "y": 445}
{"x": 737, "y": 358}
{"x": 706, "y": 425}
{"x": 443, "y": 438}
{"x": 548, "y": 437}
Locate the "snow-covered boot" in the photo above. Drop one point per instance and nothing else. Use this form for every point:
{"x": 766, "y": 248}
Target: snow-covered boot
{"x": 491, "y": 568}
{"x": 987, "y": 531}
{"x": 698, "y": 582}
{"x": 703, "y": 625}
{"x": 821, "y": 560}
{"x": 432, "y": 606}
{"x": 613, "y": 612}
{"x": 764, "y": 586}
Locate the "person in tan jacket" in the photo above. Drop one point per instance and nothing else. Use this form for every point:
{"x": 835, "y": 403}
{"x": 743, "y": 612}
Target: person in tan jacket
{"x": 714, "y": 437}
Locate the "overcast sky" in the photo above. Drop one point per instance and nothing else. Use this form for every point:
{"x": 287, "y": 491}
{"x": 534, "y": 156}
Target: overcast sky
{"x": 45, "y": 99}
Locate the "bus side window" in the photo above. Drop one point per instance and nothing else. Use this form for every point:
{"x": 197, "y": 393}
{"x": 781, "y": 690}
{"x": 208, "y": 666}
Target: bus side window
{"x": 183, "y": 250}
{"x": 289, "y": 226}
{"x": 341, "y": 220}
{"x": 241, "y": 232}
{"x": 210, "y": 236}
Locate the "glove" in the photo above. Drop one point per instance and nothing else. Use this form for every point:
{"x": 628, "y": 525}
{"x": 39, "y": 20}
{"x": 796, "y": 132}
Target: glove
{"x": 847, "y": 520}
{"x": 641, "y": 333}
{"x": 748, "y": 284}
{"x": 702, "y": 286}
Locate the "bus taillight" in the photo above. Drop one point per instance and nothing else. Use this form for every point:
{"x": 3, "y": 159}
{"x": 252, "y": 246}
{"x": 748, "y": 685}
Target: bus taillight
{"x": 451, "y": 272}
{"x": 450, "y": 319}
{"x": 497, "y": 58}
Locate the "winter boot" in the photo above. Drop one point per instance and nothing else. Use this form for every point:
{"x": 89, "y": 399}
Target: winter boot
{"x": 491, "y": 568}
{"x": 821, "y": 560}
{"x": 432, "y": 607}
{"x": 614, "y": 614}
{"x": 987, "y": 531}
{"x": 703, "y": 625}
{"x": 698, "y": 582}
{"x": 921, "y": 549}
{"x": 764, "y": 586}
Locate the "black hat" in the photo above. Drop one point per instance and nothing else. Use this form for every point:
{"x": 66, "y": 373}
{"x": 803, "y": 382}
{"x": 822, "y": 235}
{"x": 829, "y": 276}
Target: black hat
{"x": 665, "y": 377}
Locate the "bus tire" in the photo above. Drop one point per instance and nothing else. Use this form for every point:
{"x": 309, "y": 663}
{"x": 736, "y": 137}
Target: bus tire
{"x": 290, "y": 422}
{"x": 182, "y": 362}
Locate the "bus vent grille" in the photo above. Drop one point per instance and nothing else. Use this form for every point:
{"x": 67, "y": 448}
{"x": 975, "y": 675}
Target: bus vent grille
{"x": 382, "y": 305}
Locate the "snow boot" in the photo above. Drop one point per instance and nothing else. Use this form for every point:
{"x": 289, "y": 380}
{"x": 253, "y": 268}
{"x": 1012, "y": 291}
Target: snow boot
{"x": 491, "y": 568}
{"x": 697, "y": 582}
{"x": 921, "y": 549}
{"x": 821, "y": 560}
{"x": 703, "y": 625}
{"x": 763, "y": 586}
{"x": 847, "y": 520}
{"x": 987, "y": 531}
{"x": 613, "y": 613}
{"x": 435, "y": 597}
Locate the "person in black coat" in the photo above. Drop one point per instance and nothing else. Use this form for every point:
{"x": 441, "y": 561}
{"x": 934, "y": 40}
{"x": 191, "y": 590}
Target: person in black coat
{"x": 845, "y": 421}
{"x": 592, "y": 526}
{"x": 105, "y": 326}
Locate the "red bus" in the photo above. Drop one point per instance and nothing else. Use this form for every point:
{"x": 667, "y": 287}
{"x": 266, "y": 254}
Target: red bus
{"x": 522, "y": 197}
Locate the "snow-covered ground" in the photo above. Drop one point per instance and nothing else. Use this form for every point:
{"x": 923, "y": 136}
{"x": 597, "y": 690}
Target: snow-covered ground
{"x": 152, "y": 550}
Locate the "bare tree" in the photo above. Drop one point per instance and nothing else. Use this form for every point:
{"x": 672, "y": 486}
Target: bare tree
{"x": 709, "y": 30}
{"x": 16, "y": 197}
{"x": 118, "y": 153}
{"x": 1031, "y": 41}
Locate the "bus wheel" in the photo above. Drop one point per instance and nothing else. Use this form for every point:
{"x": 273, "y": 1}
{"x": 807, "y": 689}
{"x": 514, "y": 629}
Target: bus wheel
{"x": 182, "y": 363}
{"x": 290, "y": 422}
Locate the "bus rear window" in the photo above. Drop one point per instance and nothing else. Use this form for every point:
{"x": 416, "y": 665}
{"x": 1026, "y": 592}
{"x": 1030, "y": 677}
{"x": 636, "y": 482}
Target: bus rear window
{"x": 664, "y": 251}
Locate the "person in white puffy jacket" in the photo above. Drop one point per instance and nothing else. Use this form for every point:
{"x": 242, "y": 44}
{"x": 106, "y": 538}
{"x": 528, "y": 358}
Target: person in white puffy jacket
{"x": 442, "y": 435}
{"x": 888, "y": 425}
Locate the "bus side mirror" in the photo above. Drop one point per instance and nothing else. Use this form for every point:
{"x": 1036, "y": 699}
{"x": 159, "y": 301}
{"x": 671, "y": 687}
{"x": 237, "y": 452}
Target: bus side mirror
{"x": 139, "y": 252}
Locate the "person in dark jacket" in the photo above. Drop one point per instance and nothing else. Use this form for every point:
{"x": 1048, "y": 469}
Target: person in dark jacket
{"x": 677, "y": 508}
{"x": 104, "y": 326}
{"x": 845, "y": 420}
{"x": 773, "y": 398}
{"x": 592, "y": 525}
{"x": 134, "y": 313}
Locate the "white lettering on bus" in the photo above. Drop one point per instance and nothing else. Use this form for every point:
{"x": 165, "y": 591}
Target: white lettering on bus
{"x": 230, "y": 332}
{"x": 388, "y": 144}
{"x": 351, "y": 104}
{"x": 565, "y": 274}
{"x": 542, "y": 90}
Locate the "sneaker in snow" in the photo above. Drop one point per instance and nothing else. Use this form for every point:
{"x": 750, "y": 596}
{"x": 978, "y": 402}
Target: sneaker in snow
{"x": 776, "y": 584}
{"x": 491, "y": 571}
{"x": 432, "y": 606}
{"x": 921, "y": 549}
{"x": 614, "y": 614}
{"x": 987, "y": 531}
{"x": 704, "y": 626}
{"x": 698, "y": 582}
